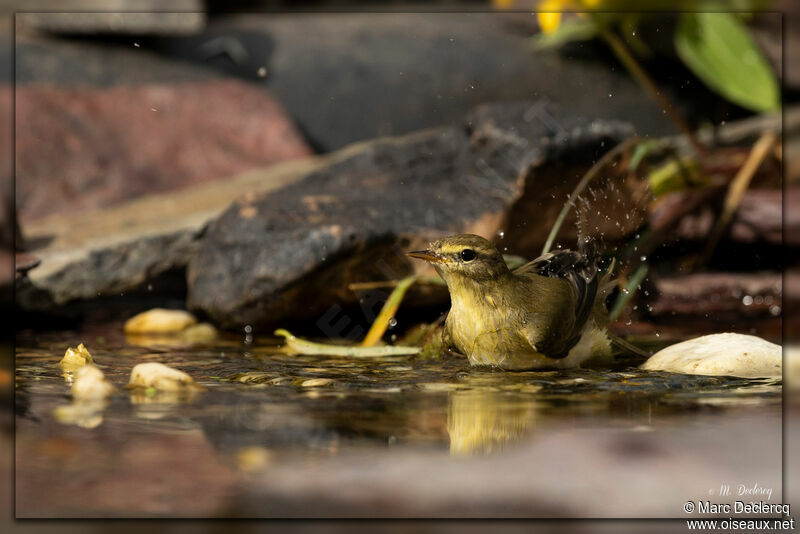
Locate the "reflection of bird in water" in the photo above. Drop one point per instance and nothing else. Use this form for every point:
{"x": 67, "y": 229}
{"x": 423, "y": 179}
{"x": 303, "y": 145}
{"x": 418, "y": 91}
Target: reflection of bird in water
{"x": 481, "y": 421}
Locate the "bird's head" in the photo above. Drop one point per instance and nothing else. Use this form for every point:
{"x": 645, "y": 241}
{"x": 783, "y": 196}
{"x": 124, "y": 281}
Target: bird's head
{"x": 465, "y": 255}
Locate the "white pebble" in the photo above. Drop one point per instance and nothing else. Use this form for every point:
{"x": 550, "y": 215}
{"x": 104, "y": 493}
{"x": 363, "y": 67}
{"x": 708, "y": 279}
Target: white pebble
{"x": 725, "y": 354}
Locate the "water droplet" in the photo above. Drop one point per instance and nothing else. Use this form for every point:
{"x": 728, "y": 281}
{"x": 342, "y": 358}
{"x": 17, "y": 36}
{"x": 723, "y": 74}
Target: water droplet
{"x": 501, "y": 234}
{"x": 392, "y": 322}
{"x": 643, "y": 258}
{"x": 262, "y": 71}
{"x": 775, "y": 310}
{"x": 248, "y": 329}
{"x": 747, "y": 300}
{"x": 658, "y": 334}
{"x": 137, "y": 45}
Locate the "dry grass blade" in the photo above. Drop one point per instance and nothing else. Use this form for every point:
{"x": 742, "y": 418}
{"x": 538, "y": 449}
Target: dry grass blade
{"x": 739, "y": 185}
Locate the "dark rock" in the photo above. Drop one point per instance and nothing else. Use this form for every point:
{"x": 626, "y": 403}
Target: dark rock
{"x": 79, "y": 148}
{"x": 96, "y": 253}
{"x": 408, "y": 71}
{"x": 82, "y": 17}
{"x": 63, "y": 62}
{"x": 293, "y": 252}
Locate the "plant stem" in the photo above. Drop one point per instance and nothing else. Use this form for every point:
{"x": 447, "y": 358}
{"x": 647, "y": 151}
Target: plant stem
{"x": 650, "y": 87}
{"x": 630, "y": 289}
{"x": 590, "y": 174}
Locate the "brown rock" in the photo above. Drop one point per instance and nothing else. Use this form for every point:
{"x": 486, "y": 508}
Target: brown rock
{"x": 760, "y": 218}
{"x": 292, "y": 253}
{"x": 721, "y": 296}
{"x": 89, "y": 147}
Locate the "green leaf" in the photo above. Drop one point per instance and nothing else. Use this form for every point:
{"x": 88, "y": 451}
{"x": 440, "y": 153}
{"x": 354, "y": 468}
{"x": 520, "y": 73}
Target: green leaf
{"x": 675, "y": 175}
{"x": 568, "y": 31}
{"x": 719, "y": 50}
{"x": 641, "y": 151}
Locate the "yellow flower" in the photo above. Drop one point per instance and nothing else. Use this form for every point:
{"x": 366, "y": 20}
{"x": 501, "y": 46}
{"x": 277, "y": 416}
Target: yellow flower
{"x": 503, "y": 4}
{"x": 549, "y": 14}
{"x": 550, "y": 11}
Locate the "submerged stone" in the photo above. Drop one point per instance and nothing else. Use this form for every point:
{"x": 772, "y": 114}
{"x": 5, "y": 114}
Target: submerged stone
{"x": 727, "y": 354}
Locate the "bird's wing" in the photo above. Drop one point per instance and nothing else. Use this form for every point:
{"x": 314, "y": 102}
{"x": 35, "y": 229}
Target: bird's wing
{"x": 578, "y": 268}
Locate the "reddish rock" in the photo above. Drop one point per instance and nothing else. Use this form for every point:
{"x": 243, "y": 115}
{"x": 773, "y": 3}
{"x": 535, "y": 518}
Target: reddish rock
{"x": 90, "y": 147}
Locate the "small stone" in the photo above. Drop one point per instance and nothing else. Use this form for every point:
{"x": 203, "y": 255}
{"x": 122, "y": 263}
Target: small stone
{"x": 199, "y": 333}
{"x": 725, "y": 354}
{"x": 75, "y": 358}
{"x": 159, "y": 321}
{"x": 91, "y": 384}
{"x": 161, "y": 377}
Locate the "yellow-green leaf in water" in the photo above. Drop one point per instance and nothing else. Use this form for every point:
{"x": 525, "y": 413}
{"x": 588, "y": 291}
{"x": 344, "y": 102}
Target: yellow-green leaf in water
{"x": 302, "y": 346}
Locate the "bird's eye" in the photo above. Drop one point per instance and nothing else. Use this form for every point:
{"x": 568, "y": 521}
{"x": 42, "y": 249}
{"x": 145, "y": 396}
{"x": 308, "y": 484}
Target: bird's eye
{"x": 468, "y": 254}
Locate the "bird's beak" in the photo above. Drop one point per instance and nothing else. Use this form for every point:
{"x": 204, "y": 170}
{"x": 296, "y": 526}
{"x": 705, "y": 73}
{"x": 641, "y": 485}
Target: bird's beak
{"x": 427, "y": 255}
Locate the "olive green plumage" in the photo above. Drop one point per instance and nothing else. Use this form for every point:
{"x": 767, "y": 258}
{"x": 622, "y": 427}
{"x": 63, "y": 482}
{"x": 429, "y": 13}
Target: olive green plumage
{"x": 543, "y": 314}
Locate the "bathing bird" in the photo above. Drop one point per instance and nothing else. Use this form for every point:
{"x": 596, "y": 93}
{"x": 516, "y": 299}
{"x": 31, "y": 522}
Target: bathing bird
{"x": 548, "y": 313}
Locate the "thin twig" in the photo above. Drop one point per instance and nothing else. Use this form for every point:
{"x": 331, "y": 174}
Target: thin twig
{"x": 647, "y": 83}
{"x": 739, "y": 185}
{"x": 590, "y": 174}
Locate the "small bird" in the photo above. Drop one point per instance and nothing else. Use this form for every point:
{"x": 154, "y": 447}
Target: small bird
{"x": 548, "y": 313}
